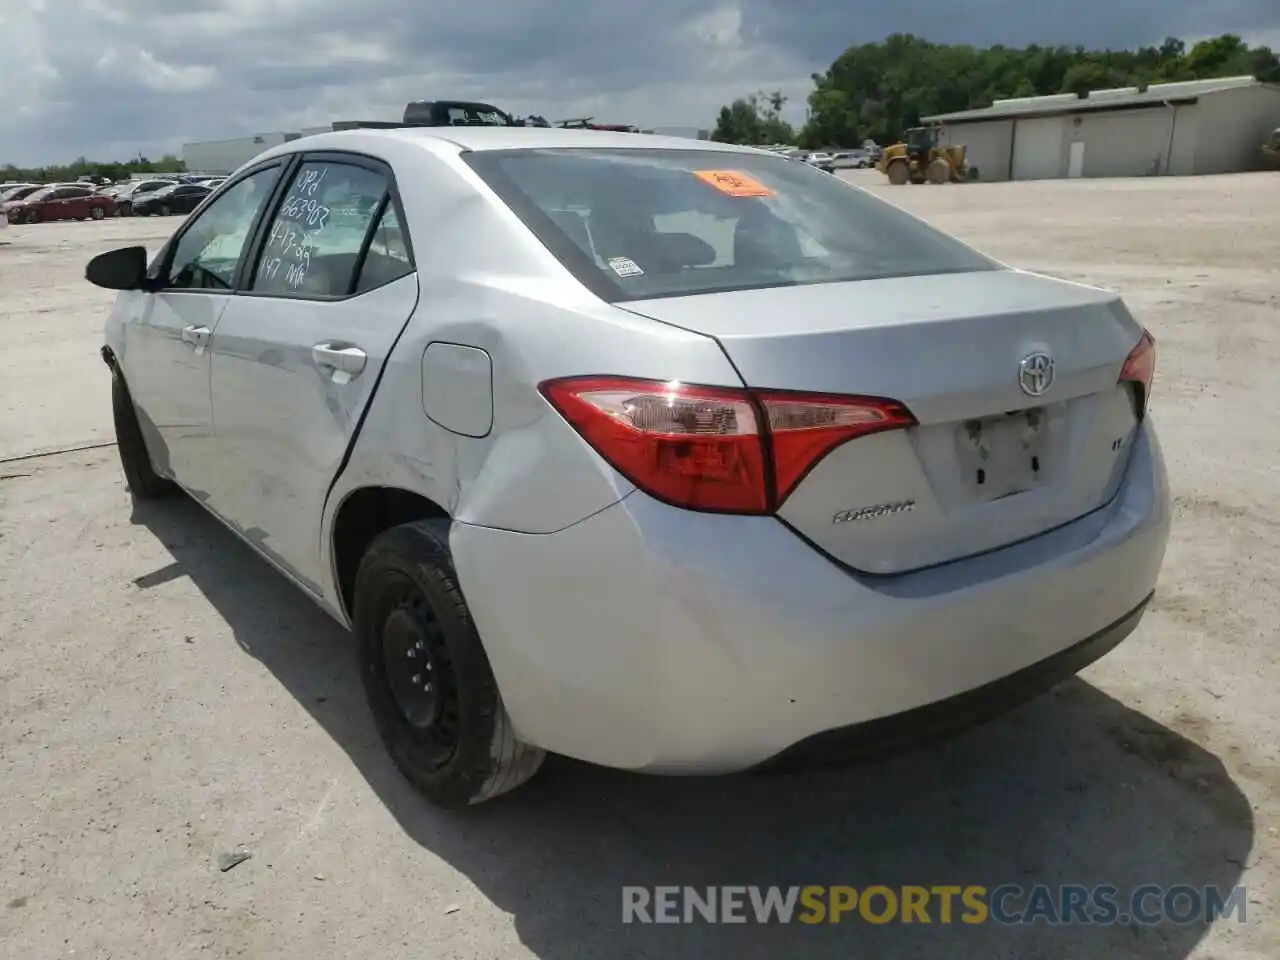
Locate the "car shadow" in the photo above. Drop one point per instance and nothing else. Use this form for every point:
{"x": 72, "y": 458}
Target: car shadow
{"x": 1074, "y": 788}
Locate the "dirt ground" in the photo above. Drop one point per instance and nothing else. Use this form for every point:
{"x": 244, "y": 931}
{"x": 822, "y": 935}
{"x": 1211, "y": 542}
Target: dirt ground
{"x": 165, "y": 697}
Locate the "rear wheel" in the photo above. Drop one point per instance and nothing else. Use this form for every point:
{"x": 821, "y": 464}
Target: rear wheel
{"x": 144, "y": 483}
{"x": 898, "y": 173}
{"x": 426, "y": 676}
{"x": 97, "y": 213}
{"x": 939, "y": 171}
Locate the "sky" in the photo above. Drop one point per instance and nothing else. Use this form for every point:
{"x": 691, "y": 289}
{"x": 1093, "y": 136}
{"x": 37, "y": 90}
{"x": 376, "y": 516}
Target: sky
{"x": 108, "y": 79}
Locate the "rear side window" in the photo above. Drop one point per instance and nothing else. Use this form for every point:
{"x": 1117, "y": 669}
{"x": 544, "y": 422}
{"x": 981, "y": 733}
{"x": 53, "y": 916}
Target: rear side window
{"x": 639, "y": 223}
{"x": 388, "y": 256}
{"x": 315, "y": 239}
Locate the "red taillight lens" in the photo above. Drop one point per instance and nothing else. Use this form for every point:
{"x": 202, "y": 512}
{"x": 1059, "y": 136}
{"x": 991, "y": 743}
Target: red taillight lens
{"x": 804, "y": 428}
{"x": 1140, "y": 368}
{"x": 715, "y": 448}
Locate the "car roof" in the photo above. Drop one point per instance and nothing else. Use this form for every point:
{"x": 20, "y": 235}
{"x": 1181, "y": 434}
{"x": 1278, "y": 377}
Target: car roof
{"x": 480, "y": 138}
{"x": 484, "y": 138}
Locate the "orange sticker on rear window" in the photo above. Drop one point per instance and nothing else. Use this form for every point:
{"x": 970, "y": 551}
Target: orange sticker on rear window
{"x": 734, "y": 183}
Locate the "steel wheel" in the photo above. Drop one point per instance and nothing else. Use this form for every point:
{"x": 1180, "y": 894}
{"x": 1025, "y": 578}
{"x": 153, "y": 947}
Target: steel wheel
{"x": 419, "y": 672}
{"x": 425, "y": 673}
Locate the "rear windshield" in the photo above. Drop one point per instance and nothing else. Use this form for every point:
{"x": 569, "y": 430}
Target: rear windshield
{"x": 638, "y": 223}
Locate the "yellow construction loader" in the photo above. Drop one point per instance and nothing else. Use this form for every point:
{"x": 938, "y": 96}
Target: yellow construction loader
{"x": 920, "y": 160}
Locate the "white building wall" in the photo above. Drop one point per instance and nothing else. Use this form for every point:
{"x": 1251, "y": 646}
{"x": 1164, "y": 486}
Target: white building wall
{"x": 224, "y": 156}
{"x": 987, "y": 146}
{"x": 1039, "y": 148}
{"x": 1186, "y": 138}
{"x": 1232, "y": 127}
{"x": 1127, "y": 143}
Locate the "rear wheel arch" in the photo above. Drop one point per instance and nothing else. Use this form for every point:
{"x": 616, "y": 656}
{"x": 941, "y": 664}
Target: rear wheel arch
{"x": 361, "y": 517}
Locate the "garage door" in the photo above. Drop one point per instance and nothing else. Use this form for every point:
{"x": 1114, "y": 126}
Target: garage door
{"x": 1129, "y": 144}
{"x": 1037, "y": 149}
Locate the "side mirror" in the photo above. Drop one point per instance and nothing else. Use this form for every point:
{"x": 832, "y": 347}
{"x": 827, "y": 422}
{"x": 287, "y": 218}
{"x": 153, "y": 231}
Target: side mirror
{"x": 123, "y": 269}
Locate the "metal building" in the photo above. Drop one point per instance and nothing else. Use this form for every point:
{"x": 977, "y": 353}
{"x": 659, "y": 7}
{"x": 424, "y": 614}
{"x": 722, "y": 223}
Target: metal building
{"x": 1200, "y": 126}
{"x": 223, "y": 156}
{"x": 692, "y": 133}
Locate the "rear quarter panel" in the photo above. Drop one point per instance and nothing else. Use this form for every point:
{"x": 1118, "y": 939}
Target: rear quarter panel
{"x": 487, "y": 283}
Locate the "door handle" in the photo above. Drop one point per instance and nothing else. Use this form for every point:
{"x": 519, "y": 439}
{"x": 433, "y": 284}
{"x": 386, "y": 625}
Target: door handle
{"x": 195, "y": 335}
{"x": 344, "y": 360}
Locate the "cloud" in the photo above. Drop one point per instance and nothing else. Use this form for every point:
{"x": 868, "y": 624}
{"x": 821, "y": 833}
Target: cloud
{"x": 109, "y": 78}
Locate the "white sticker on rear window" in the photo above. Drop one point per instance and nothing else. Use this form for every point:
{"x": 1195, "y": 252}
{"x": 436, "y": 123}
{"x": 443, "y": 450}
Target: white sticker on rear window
{"x": 625, "y": 267}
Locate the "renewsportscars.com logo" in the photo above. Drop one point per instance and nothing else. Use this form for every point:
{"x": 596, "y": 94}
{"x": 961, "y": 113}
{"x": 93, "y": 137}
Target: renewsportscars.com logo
{"x": 1008, "y": 904}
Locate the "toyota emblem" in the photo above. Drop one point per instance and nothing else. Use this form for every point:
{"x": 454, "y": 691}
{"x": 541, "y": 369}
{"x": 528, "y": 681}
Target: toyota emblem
{"x": 1035, "y": 373}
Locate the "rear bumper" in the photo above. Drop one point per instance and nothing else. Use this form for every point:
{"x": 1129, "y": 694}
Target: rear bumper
{"x": 657, "y": 639}
{"x": 935, "y": 720}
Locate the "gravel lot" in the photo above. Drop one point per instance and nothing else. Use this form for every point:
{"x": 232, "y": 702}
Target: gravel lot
{"x": 165, "y": 696}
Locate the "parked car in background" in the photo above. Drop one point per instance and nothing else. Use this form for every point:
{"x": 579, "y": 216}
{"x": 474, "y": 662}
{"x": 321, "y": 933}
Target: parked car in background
{"x": 14, "y": 194}
{"x": 12, "y": 197}
{"x": 851, "y": 160}
{"x": 135, "y": 190}
{"x": 64, "y": 202}
{"x": 12, "y": 185}
{"x": 213, "y": 183}
{"x": 177, "y": 198}
{"x": 822, "y": 160}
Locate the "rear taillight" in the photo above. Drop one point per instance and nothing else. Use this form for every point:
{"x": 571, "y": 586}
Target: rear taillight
{"x": 715, "y": 448}
{"x": 1139, "y": 369}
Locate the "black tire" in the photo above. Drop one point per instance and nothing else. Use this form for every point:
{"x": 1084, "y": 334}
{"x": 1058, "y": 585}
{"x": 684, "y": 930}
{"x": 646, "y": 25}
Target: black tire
{"x": 426, "y": 676}
{"x": 143, "y": 481}
{"x": 97, "y": 213}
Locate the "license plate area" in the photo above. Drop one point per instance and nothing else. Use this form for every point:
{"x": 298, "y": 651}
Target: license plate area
{"x": 1003, "y": 455}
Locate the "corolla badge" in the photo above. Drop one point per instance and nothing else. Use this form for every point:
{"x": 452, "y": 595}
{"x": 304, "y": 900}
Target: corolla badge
{"x": 874, "y": 512}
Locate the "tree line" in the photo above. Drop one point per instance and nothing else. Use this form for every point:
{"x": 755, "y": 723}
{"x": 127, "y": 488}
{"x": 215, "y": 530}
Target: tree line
{"x": 111, "y": 170}
{"x": 878, "y": 90}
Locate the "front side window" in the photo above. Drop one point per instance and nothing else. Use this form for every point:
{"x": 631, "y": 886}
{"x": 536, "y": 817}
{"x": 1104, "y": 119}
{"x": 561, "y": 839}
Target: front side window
{"x": 638, "y": 223}
{"x": 207, "y": 253}
{"x": 314, "y": 242}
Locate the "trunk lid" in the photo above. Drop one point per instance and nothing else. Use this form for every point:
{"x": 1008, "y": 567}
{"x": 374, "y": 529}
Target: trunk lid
{"x": 989, "y": 464}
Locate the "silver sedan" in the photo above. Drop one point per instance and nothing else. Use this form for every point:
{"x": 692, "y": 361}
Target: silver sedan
{"x": 672, "y": 456}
